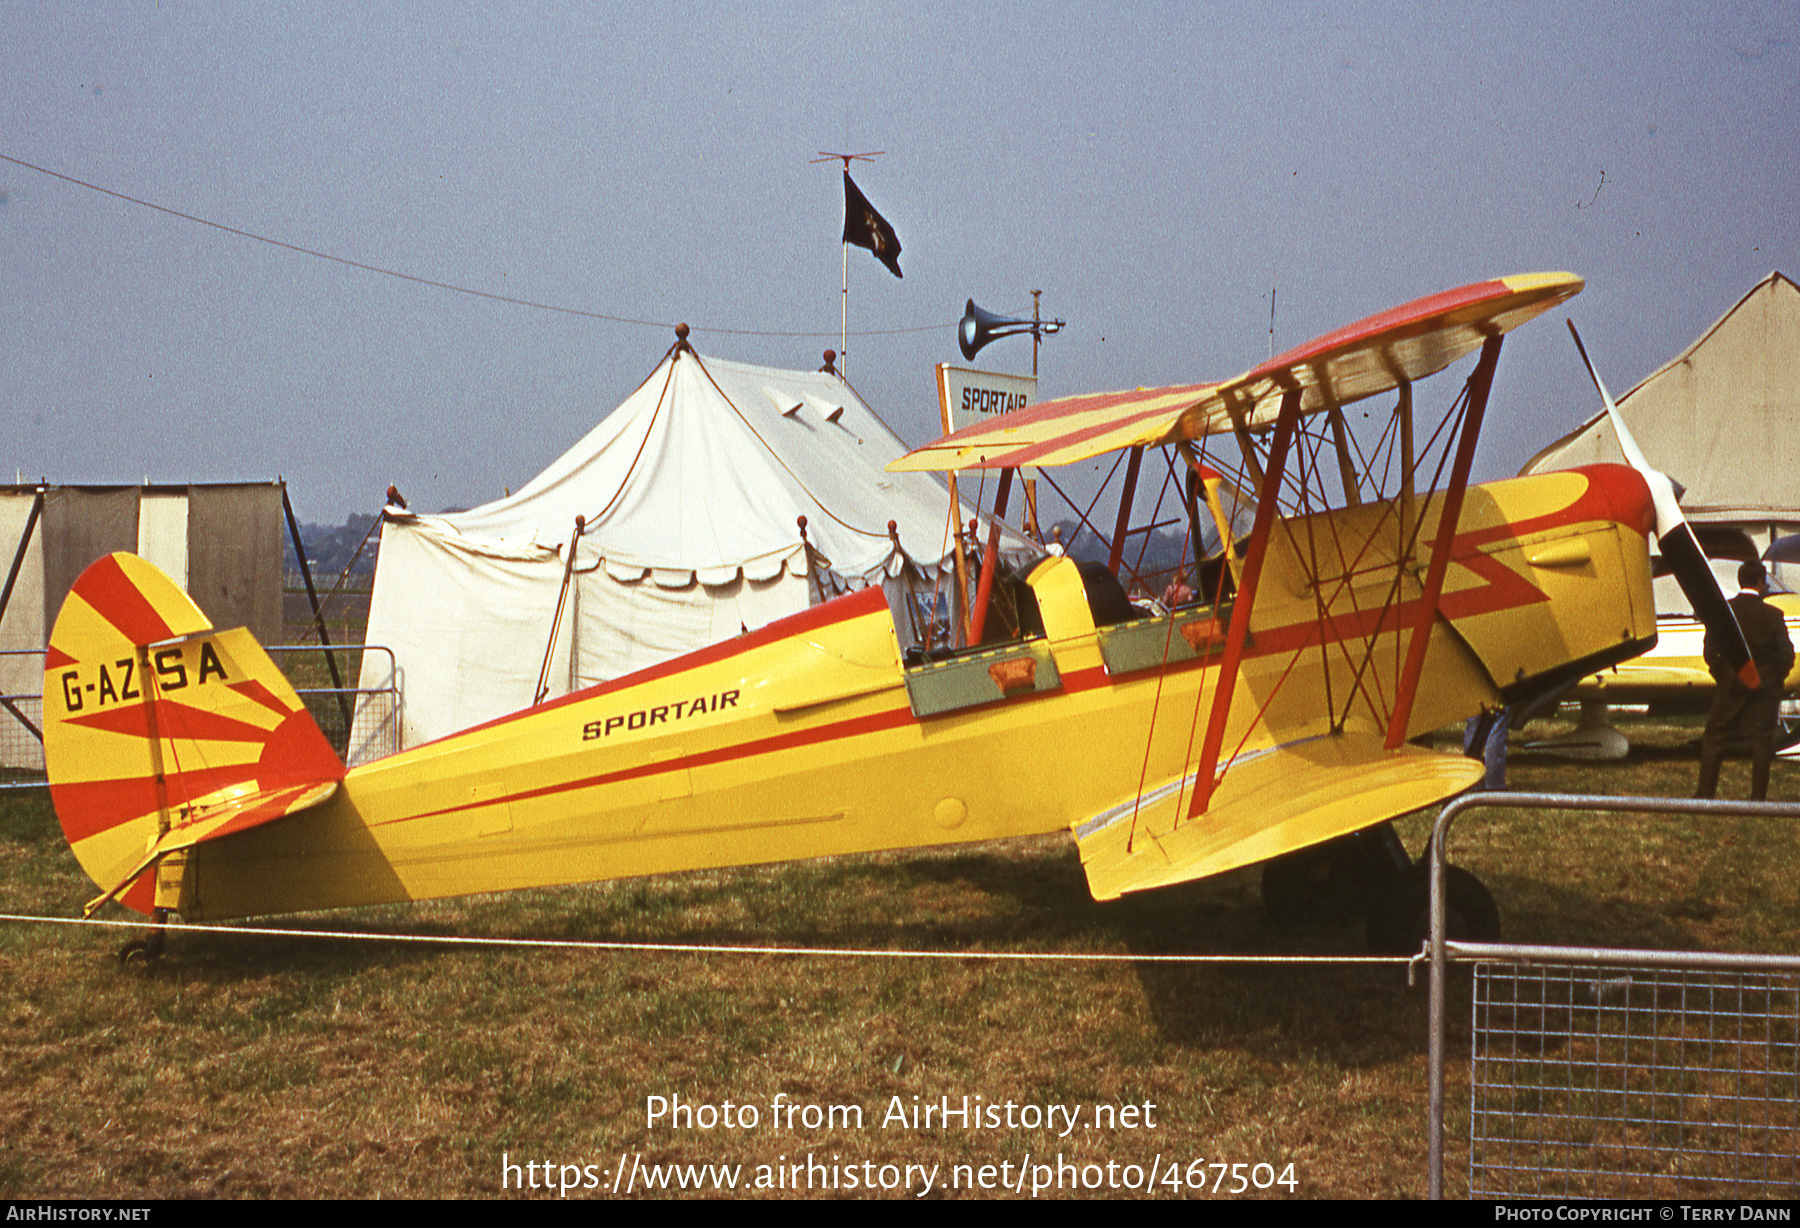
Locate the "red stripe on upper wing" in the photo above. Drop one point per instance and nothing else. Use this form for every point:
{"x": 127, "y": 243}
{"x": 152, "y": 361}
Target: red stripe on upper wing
{"x": 107, "y": 588}
{"x": 1168, "y": 399}
{"x": 1029, "y": 453}
{"x": 56, "y": 658}
{"x": 1394, "y": 317}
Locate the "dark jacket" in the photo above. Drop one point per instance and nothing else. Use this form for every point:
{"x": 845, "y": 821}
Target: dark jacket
{"x": 1766, "y": 632}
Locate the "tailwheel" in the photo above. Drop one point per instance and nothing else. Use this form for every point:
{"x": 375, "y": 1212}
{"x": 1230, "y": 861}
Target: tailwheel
{"x": 1333, "y": 881}
{"x": 1402, "y": 923}
{"x": 142, "y": 952}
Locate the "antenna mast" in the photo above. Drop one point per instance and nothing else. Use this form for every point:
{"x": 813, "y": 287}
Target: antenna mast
{"x": 1271, "y": 318}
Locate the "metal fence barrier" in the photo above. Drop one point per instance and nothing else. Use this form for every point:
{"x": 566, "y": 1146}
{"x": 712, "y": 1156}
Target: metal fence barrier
{"x": 1634, "y": 1081}
{"x": 21, "y": 717}
{"x": 1598, "y": 1072}
{"x": 364, "y": 720}
{"x": 359, "y": 721}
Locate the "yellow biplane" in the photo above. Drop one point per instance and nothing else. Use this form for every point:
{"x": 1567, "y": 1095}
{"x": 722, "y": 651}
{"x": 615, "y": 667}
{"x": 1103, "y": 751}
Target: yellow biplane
{"x": 1273, "y": 715}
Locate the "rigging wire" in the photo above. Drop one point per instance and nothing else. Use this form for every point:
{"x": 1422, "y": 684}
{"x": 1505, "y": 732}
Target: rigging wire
{"x": 699, "y": 948}
{"x": 452, "y": 286}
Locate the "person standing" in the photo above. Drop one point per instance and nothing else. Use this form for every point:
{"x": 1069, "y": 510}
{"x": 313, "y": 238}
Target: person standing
{"x": 1736, "y": 708}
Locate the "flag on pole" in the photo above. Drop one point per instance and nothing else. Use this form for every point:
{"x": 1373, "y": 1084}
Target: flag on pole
{"x": 865, "y": 227}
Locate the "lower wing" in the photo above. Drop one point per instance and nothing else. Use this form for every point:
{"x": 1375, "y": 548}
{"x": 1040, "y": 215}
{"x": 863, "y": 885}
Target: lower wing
{"x": 1269, "y": 802}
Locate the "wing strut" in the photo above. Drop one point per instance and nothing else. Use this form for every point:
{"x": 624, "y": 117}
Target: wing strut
{"x": 1340, "y": 438}
{"x": 1267, "y": 498}
{"x": 1479, "y": 385}
{"x": 1117, "y": 554}
{"x": 990, "y": 558}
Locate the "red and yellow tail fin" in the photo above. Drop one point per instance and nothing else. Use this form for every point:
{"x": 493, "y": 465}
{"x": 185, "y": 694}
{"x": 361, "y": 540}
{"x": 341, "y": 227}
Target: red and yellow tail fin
{"x": 160, "y": 732}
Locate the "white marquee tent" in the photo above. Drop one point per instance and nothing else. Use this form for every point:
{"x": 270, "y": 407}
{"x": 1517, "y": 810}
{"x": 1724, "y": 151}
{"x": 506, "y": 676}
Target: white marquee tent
{"x": 690, "y": 490}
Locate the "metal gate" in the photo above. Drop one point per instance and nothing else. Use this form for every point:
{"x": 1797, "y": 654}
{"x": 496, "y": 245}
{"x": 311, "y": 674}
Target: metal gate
{"x": 1634, "y": 1081}
{"x": 1613, "y": 1073}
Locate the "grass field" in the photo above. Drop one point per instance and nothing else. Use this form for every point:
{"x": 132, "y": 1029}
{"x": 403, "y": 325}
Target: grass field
{"x": 250, "y": 1066}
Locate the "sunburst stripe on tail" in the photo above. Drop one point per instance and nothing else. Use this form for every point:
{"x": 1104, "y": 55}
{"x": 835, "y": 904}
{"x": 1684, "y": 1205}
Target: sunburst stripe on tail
{"x": 174, "y": 720}
{"x": 113, "y": 586}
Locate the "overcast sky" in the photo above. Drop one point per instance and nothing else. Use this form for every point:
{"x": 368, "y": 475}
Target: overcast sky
{"x": 1152, "y": 169}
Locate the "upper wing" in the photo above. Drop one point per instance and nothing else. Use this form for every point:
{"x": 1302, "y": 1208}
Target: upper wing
{"x": 1398, "y": 346}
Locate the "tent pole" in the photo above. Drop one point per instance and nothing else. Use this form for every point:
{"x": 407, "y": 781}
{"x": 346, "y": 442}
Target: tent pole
{"x": 815, "y": 587}
{"x": 844, "y": 316}
{"x": 351, "y": 565}
{"x": 312, "y": 595}
{"x": 12, "y": 577}
{"x": 543, "y": 682}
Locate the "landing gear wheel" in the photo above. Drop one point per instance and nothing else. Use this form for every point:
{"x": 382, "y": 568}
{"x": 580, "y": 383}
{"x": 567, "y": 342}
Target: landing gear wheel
{"x": 142, "y": 952}
{"x": 1402, "y": 924}
{"x": 145, "y": 951}
{"x": 1336, "y": 880}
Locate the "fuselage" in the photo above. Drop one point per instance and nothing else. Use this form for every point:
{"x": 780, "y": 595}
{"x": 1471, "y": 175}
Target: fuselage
{"x": 812, "y": 736}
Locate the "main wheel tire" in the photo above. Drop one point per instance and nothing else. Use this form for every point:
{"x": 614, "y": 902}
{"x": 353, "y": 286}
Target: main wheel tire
{"x": 1334, "y": 881}
{"x": 1402, "y": 924}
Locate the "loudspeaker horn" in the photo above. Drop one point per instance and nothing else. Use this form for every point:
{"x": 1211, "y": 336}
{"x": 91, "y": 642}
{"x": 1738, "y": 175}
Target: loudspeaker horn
{"x": 980, "y": 326}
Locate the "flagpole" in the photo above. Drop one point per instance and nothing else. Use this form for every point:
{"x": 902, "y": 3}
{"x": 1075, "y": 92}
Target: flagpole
{"x": 890, "y": 259}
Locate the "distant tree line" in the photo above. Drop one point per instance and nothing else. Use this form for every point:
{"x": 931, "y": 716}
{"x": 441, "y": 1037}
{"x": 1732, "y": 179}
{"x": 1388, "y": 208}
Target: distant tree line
{"x": 329, "y": 548}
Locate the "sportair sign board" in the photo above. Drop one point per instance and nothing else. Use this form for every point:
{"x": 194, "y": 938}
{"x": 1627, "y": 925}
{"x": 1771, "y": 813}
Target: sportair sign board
{"x": 967, "y": 396}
